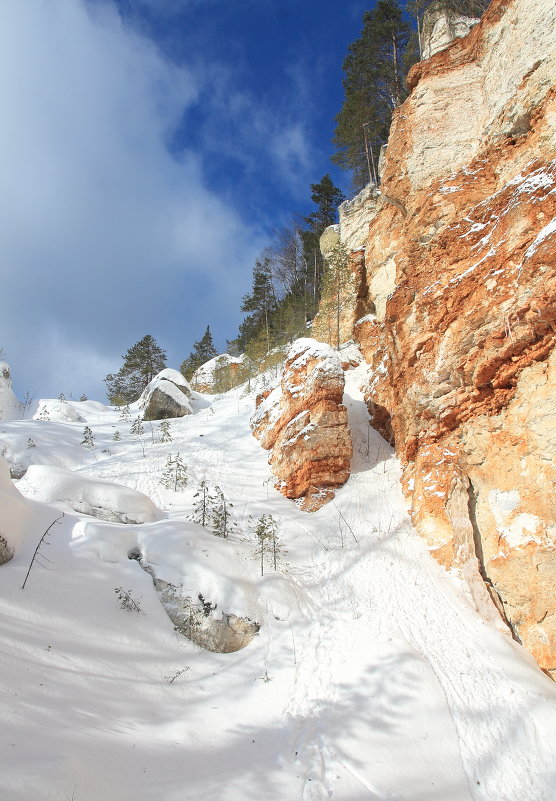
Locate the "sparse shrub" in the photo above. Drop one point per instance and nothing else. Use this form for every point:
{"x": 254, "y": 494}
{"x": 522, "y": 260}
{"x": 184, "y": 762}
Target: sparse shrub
{"x": 31, "y": 443}
{"x": 127, "y": 601}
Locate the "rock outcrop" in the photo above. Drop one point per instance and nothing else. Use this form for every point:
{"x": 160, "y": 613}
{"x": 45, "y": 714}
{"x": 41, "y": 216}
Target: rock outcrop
{"x": 304, "y": 425}
{"x": 219, "y": 374}
{"x": 166, "y": 396}
{"x": 440, "y": 26}
{"x": 460, "y": 326}
{"x": 10, "y": 407}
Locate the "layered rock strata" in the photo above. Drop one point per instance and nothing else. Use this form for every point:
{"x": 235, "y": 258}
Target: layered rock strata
{"x": 460, "y": 279}
{"x": 304, "y": 425}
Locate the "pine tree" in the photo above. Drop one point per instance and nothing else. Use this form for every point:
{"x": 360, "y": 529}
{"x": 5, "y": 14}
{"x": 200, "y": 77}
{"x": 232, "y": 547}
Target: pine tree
{"x": 203, "y": 505}
{"x": 203, "y": 351}
{"x": 141, "y": 363}
{"x": 327, "y": 198}
{"x": 221, "y": 521}
{"x": 165, "y": 433}
{"x": 88, "y": 440}
{"x": 44, "y": 414}
{"x": 117, "y": 436}
{"x": 174, "y": 476}
{"x": 261, "y": 302}
{"x": 269, "y": 546}
{"x": 374, "y": 87}
{"x": 125, "y": 413}
{"x": 31, "y": 443}
{"x": 337, "y": 279}
{"x": 137, "y": 427}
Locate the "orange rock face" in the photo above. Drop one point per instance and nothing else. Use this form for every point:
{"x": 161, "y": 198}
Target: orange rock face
{"x": 304, "y": 425}
{"x": 461, "y": 269}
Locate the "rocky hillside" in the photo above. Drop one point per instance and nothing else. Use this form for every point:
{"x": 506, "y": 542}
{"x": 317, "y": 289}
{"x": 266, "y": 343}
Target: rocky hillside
{"x": 453, "y": 304}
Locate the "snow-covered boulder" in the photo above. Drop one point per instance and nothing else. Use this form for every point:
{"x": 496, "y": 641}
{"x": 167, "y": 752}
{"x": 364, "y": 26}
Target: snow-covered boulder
{"x": 90, "y": 496}
{"x": 57, "y": 411}
{"x": 167, "y": 395}
{"x": 14, "y": 514}
{"x": 10, "y": 407}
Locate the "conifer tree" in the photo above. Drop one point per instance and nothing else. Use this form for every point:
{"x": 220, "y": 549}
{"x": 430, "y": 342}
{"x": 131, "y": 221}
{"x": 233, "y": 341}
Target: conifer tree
{"x": 88, "y": 440}
{"x": 202, "y": 506}
{"x": 174, "y": 476}
{"x": 203, "y": 351}
{"x": 374, "y": 85}
{"x": 260, "y": 303}
{"x": 141, "y": 363}
{"x": 327, "y": 198}
{"x": 137, "y": 427}
{"x": 125, "y": 413}
{"x": 165, "y": 433}
{"x": 221, "y": 521}
{"x": 116, "y": 436}
{"x": 269, "y": 546}
{"x": 44, "y": 414}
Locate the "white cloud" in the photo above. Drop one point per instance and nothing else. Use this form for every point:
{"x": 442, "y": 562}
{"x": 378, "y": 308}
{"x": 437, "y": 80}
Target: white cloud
{"x": 105, "y": 234}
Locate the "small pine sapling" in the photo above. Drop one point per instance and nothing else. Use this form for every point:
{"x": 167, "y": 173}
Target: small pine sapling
{"x": 125, "y": 412}
{"x": 137, "y": 427}
{"x": 31, "y": 443}
{"x": 175, "y": 475}
{"x": 83, "y": 398}
{"x": 202, "y": 506}
{"x": 165, "y": 433}
{"x": 44, "y": 414}
{"x": 221, "y": 520}
{"x": 116, "y": 436}
{"x": 88, "y": 440}
{"x": 269, "y": 546}
{"x": 62, "y": 398}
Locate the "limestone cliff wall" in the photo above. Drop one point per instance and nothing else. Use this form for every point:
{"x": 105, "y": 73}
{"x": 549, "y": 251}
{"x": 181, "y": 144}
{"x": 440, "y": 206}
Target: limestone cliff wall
{"x": 459, "y": 321}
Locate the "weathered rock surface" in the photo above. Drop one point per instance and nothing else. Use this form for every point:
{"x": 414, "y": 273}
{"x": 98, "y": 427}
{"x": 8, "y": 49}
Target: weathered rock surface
{"x": 166, "y": 396}
{"x": 304, "y": 424}
{"x": 460, "y": 269}
{"x": 218, "y": 374}
{"x": 440, "y": 27}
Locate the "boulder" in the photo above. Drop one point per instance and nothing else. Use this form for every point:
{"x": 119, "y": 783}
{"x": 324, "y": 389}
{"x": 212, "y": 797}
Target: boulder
{"x": 166, "y": 396}
{"x": 304, "y": 425}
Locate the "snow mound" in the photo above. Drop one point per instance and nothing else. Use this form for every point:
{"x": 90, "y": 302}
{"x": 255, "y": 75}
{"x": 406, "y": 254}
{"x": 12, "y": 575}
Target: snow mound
{"x": 57, "y": 411}
{"x": 10, "y": 407}
{"x": 90, "y": 496}
{"x": 14, "y": 514}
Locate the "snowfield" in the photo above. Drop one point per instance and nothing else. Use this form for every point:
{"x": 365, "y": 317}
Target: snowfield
{"x": 373, "y": 676}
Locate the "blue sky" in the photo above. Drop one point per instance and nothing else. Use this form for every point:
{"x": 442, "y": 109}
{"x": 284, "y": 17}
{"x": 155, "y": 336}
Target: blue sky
{"x": 149, "y": 148}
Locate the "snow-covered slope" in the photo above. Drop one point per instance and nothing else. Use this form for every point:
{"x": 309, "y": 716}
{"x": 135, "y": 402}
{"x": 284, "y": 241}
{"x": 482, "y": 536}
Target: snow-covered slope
{"x": 372, "y": 676}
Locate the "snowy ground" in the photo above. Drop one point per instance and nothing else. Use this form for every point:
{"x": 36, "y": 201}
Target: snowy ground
{"x": 372, "y": 676}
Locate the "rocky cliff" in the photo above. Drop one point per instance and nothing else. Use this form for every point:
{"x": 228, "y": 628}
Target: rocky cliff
{"x": 455, "y": 310}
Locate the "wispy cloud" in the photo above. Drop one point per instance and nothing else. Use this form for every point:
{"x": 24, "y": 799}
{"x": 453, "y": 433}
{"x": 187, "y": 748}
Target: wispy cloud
{"x": 105, "y": 233}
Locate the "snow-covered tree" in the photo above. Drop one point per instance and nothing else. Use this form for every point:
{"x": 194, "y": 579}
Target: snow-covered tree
{"x": 269, "y": 547}
{"x": 116, "y": 436}
{"x": 202, "y": 504}
{"x": 165, "y": 433}
{"x": 137, "y": 427}
{"x": 174, "y": 476}
{"x": 221, "y": 521}
{"x": 88, "y": 440}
